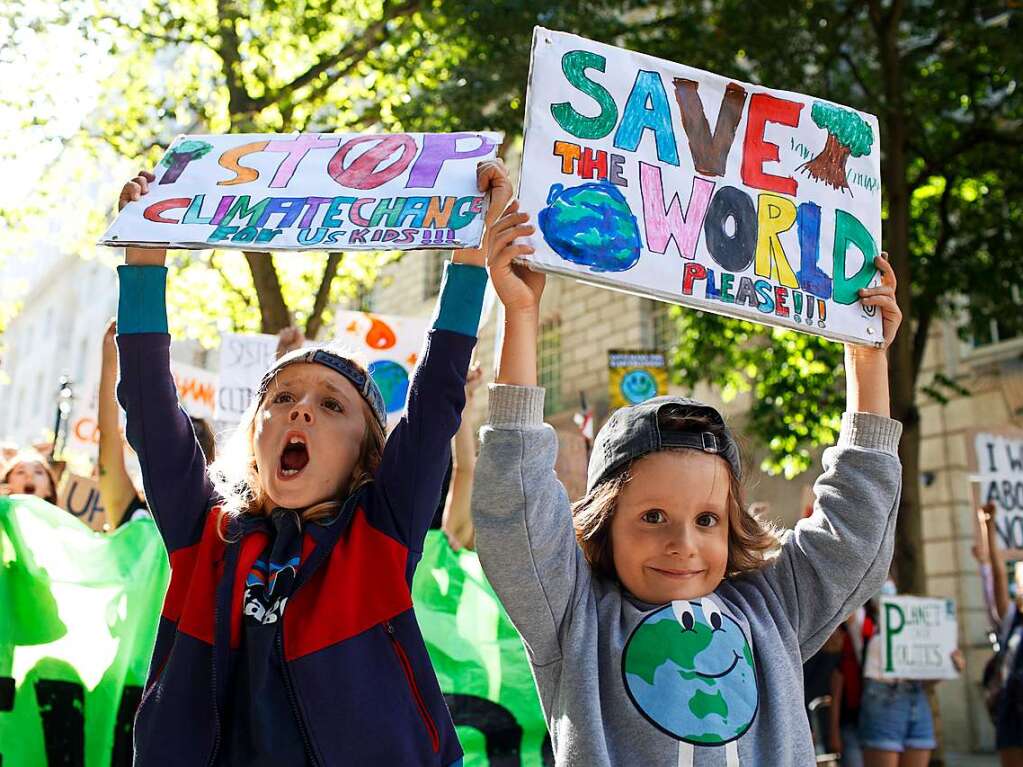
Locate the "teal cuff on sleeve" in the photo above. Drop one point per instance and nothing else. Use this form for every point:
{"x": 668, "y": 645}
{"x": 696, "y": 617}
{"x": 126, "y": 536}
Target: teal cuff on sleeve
{"x": 142, "y": 305}
{"x": 461, "y": 299}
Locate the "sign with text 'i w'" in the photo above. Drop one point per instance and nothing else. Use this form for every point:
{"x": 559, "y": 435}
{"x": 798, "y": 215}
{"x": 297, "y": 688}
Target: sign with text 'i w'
{"x": 998, "y": 461}
{"x": 682, "y": 185}
{"x": 313, "y": 191}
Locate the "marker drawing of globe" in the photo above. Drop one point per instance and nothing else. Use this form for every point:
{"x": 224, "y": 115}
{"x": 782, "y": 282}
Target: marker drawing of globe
{"x": 591, "y": 224}
{"x": 638, "y": 386}
{"x": 392, "y": 379}
{"x": 689, "y": 670}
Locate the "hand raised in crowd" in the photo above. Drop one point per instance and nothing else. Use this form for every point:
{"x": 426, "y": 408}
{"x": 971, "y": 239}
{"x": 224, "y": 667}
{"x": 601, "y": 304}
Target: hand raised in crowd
{"x": 289, "y": 339}
{"x": 133, "y": 192}
{"x": 473, "y": 379}
{"x": 110, "y": 348}
{"x": 518, "y": 286}
{"x": 883, "y": 297}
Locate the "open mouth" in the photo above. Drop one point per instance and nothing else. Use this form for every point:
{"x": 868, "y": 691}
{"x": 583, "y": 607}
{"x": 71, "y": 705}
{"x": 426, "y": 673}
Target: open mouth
{"x": 294, "y": 456}
{"x": 30, "y": 489}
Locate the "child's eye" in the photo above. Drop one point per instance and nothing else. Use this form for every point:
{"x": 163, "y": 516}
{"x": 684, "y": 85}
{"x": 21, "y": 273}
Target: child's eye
{"x": 654, "y": 517}
{"x": 333, "y": 404}
{"x": 283, "y": 396}
{"x": 707, "y": 520}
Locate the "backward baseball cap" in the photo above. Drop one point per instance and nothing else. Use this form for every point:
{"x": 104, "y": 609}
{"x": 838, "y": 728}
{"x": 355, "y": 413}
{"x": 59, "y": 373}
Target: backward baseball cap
{"x": 632, "y": 432}
{"x": 359, "y": 378}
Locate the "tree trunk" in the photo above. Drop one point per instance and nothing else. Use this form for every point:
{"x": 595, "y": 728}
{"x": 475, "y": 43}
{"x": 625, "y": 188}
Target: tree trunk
{"x": 315, "y": 321}
{"x": 909, "y": 559}
{"x": 274, "y": 314}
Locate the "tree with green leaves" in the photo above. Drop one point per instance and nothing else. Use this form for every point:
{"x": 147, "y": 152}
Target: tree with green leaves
{"x": 943, "y": 80}
{"x": 849, "y": 135}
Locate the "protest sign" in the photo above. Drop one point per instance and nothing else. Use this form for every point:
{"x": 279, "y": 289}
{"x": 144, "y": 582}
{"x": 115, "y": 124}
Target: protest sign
{"x": 77, "y": 629}
{"x": 996, "y": 465}
{"x": 479, "y": 659}
{"x": 244, "y": 358}
{"x": 80, "y": 497}
{"x": 390, "y": 345}
{"x": 918, "y": 636}
{"x": 771, "y": 215}
{"x": 635, "y": 376}
{"x": 197, "y": 389}
{"x": 312, "y": 191}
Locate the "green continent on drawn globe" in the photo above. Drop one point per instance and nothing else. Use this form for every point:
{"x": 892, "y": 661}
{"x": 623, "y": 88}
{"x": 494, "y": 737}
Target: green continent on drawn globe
{"x": 591, "y": 224}
{"x": 689, "y": 669}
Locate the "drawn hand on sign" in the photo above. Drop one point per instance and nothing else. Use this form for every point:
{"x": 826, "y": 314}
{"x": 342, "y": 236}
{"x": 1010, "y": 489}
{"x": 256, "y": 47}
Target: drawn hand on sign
{"x": 883, "y": 297}
{"x": 518, "y": 287}
{"x": 132, "y": 192}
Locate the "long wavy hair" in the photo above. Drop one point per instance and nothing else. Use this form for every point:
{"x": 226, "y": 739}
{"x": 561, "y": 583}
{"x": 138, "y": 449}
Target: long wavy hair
{"x": 236, "y": 478}
{"x": 751, "y": 541}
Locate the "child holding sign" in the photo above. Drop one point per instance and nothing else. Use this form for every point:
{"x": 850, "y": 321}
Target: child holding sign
{"x": 313, "y": 512}
{"x": 660, "y": 630}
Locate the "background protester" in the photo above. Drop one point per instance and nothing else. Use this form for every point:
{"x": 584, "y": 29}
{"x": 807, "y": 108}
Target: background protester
{"x": 456, "y": 518}
{"x": 1004, "y": 673}
{"x": 29, "y": 473}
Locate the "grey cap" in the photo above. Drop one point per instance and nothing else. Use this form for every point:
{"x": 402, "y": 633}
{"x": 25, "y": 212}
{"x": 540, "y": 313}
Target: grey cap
{"x": 633, "y": 432}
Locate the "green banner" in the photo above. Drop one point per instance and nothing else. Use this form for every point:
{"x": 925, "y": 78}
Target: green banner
{"x": 78, "y": 618}
{"x": 479, "y": 660}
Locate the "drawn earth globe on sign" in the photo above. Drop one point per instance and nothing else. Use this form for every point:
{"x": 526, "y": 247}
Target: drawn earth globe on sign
{"x": 392, "y": 378}
{"x": 638, "y": 386}
{"x": 591, "y": 224}
{"x": 689, "y": 670}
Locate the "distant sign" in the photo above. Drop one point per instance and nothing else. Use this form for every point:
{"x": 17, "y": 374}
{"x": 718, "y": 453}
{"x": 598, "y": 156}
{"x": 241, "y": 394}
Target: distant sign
{"x": 998, "y": 464}
{"x": 80, "y": 497}
{"x": 244, "y": 358}
{"x": 682, "y": 185}
{"x": 635, "y": 376}
{"x": 313, "y": 191}
{"x": 918, "y": 636}
{"x": 197, "y": 390}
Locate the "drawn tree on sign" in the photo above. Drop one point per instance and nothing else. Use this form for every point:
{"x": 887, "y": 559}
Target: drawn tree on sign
{"x": 848, "y": 135}
{"x": 180, "y": 155}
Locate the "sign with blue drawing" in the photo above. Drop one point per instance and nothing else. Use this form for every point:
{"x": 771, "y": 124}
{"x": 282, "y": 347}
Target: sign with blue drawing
{"x": 635, "y": 376}
{"x": 685, "y": 186}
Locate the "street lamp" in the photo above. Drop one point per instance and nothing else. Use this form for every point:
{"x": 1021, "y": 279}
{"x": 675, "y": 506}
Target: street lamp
{"x": 65, "y": 399}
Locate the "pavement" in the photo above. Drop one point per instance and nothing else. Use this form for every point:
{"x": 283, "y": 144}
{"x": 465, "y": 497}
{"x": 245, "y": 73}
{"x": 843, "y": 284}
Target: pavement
{"x": 971, "y": 760}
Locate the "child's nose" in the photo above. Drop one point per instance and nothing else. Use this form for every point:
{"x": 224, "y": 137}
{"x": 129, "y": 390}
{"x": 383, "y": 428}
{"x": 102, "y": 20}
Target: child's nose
{"x": 302, "y": 412}
{"x": 680, "y": 541}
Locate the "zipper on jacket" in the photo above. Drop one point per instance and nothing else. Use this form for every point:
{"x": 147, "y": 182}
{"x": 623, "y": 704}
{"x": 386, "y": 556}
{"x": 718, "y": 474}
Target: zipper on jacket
{"x": 293, "y": 699}
{"x": 213, "y": 674}
{"x": 406, "y": 667}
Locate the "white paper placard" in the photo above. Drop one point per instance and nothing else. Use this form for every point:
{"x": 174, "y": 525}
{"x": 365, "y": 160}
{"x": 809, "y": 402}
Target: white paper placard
{"x": 678, "y": 184}
{"x": 917, "y": 636}
{"x": 313, "y": 191}
{"x": 999, "y": 460}
{"x": 244, "y": 358}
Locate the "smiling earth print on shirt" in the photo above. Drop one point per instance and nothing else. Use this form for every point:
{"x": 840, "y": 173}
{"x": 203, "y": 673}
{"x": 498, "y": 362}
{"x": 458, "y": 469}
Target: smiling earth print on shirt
{"x": 689, "y": 670}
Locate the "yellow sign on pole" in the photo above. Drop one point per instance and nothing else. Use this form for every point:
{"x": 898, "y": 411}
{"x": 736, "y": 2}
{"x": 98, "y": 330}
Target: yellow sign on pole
{"x": 635, "y": 376}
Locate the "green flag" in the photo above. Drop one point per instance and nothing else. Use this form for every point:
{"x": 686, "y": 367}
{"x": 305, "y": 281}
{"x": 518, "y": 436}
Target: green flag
{"x": 479, "y": 660}
{"x": 78, "y": 618}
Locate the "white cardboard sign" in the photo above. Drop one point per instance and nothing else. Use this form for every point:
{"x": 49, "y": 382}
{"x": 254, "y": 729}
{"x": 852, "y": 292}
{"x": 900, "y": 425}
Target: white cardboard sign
{"x": 313, "y": 191}
{"x": 678, "y": 184}
{"x": 1000, "y": 477}
{"x": 918, "y": 636}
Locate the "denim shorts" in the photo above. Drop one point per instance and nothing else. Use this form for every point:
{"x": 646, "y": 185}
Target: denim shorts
{"x": 895, "y": 717}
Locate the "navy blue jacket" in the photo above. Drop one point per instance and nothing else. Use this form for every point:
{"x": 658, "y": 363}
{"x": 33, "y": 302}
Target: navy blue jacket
{"x": 359, "y": 677}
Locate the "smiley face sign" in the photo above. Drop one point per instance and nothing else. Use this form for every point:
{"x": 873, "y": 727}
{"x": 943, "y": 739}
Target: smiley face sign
{"x": 689, "y": 669}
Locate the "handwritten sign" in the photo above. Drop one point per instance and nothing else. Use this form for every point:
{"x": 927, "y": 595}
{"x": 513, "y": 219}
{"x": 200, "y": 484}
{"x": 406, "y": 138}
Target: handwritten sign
{"x": 312, "y": 191}
{"x": 244, "y": 358}
{"x": 918, "y": 636}
{"x": 197, "y": 390}
{"x": 998, "y": 461}
{"x": 635, "y": 377}
{"x": 390, "y": 345}
{"x": 80, "y": 497}
{"x": 681, "y": 185}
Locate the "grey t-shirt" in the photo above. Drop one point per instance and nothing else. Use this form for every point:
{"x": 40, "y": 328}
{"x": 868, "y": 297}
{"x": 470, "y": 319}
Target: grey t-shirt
{"x": 705, "y": 682}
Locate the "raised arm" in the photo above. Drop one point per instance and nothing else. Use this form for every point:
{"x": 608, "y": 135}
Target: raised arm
{"x": 418, "y": 449}
{"x": 999, "y": 575}
{"x": 456, "y": 520}
{"x": 839, "y": 557}
{"x": 173, "y": 467}
{"x": 116, "y": 490}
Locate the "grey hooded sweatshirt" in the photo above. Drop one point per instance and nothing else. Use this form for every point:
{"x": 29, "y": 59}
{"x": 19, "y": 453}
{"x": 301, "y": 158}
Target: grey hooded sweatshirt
{"x": 705, "y": 682}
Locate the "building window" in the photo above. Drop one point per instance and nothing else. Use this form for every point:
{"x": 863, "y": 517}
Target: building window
{"x": 548, "y": 362}
{"x": 985, "y": 330}
{"x": 663, "y": 327}
{"x": 433, "y": 273}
